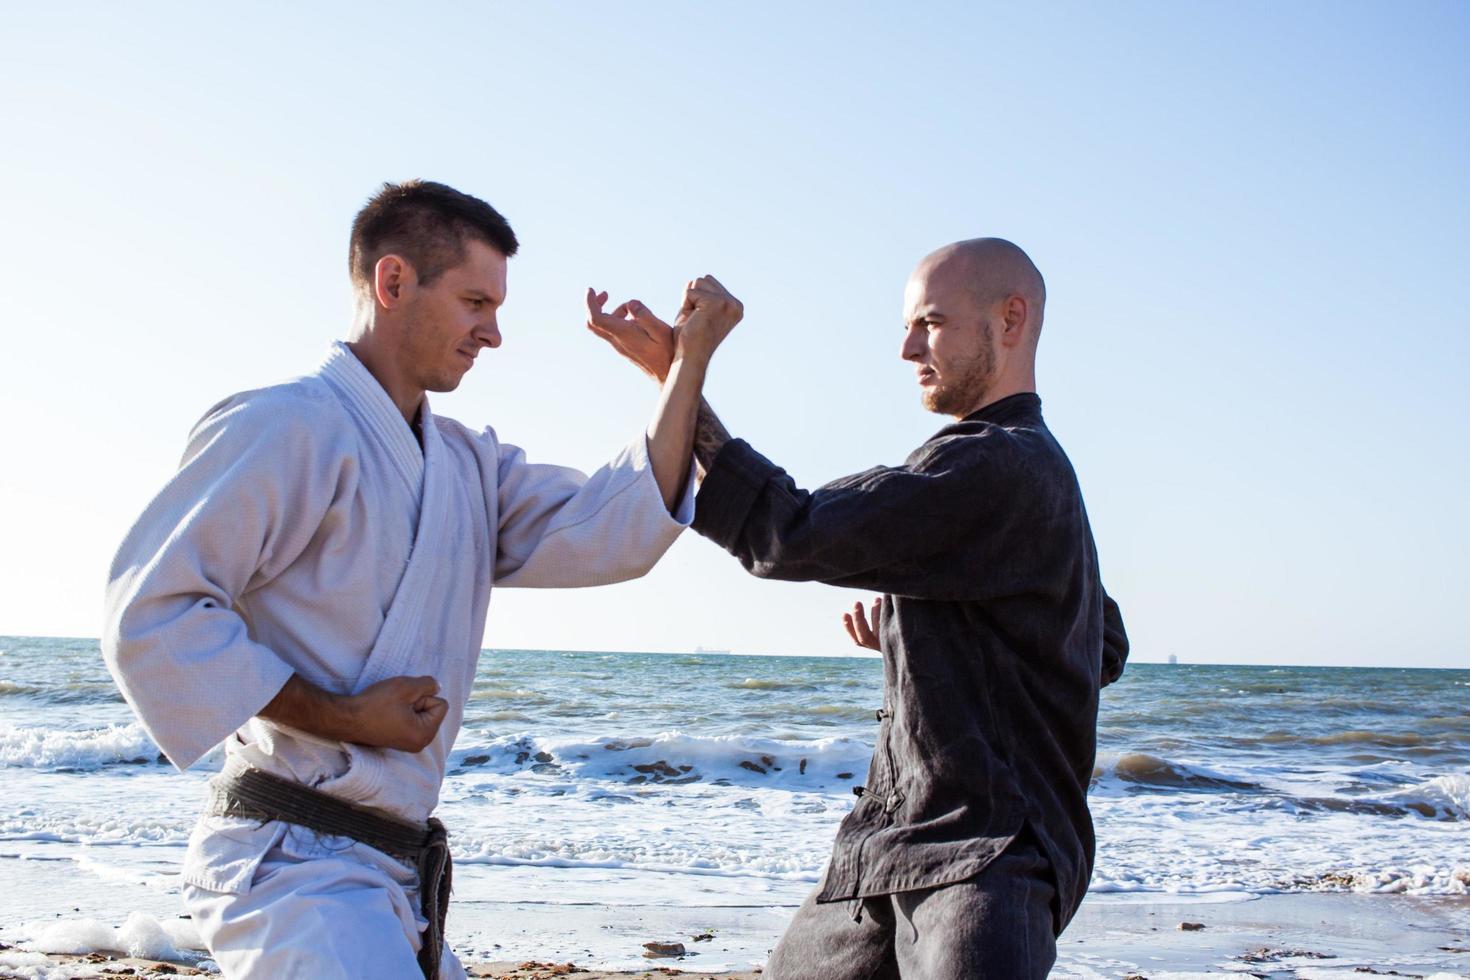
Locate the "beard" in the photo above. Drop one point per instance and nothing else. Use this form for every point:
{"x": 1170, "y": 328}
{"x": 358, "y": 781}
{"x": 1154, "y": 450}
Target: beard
{"x": 968, "y": 390}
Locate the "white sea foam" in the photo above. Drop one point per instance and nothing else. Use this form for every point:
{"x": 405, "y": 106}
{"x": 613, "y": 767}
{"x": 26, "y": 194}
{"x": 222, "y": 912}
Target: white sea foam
{"x": 141, "y": 935}
{"x": 674, "y": 757}
{"x": 91, "y": 748}
{"x": 97, "y": 827}
{"x": 1263, "y": 842}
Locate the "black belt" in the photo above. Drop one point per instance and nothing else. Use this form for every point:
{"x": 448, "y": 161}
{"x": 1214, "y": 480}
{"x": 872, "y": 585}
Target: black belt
{"x": 257, "y": 795}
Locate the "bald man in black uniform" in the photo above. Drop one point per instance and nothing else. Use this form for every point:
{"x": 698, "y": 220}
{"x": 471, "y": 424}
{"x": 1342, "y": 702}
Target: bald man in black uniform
{"x": 970, "y": 845}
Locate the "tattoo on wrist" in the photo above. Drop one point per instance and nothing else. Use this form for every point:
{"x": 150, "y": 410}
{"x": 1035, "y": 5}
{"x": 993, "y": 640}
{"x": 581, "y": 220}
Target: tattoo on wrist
{"x": 710, "y": 436}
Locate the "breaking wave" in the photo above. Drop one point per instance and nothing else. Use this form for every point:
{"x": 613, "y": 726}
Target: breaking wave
{"x": 92, "y": 748}
{"x": 675, "y": 758}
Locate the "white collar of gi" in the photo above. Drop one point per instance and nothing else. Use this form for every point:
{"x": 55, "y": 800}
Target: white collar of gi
{"x": 367, "y": 400}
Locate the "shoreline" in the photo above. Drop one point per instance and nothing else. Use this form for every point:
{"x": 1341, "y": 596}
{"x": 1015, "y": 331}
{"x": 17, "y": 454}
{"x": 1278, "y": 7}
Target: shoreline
{"x": 1294, "y": 936}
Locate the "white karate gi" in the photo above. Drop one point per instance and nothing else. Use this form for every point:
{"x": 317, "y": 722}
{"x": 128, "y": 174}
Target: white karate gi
{"x": 306, "y": 532}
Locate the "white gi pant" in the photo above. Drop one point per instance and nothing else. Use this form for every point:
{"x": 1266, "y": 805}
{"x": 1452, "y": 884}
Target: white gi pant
{"x": 318, "y": 908}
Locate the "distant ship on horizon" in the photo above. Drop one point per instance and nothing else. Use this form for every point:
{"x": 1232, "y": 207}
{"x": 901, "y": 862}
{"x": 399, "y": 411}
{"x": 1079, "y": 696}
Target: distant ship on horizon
{"x": 709, "y": 650}
{"x": 1173, "y": 658}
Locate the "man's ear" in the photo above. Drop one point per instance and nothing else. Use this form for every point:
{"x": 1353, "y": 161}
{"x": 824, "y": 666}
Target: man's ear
{"x": 392, "y": 278}
{"x": 1014, "y": 315}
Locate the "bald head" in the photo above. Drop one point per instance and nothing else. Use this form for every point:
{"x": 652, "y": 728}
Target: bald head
{"x": 991, "y": 269}
{"x": 972, "y": 314}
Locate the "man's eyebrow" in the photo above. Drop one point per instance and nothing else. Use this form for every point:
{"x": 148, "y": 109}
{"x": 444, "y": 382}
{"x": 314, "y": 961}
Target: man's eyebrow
{"x": 479, "y": 294}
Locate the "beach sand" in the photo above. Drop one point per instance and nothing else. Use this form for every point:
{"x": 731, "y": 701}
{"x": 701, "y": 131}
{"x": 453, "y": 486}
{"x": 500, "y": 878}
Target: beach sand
{"x": 1305, "y": 936}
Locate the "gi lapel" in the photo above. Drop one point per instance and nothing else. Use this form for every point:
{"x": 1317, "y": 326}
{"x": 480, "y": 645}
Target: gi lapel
{"x": 398, "y": 649}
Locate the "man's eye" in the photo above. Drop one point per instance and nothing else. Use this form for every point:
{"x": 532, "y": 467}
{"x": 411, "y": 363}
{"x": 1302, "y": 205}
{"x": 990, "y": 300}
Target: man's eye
{"x": 475, "y": 304}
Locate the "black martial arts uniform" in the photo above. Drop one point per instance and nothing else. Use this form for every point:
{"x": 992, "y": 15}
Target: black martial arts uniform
{"x": 996, "y": 637}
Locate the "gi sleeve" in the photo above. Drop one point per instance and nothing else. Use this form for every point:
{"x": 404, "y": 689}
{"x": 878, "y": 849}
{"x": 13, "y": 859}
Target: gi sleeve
{"x": 879, "y": 529}
{"x": 559, "y": 528}
{"x": 250, "y": 494}
{"x": 1115, "y": 642}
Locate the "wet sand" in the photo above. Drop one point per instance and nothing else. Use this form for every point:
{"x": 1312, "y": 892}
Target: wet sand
{"x": 1282, "y": 937}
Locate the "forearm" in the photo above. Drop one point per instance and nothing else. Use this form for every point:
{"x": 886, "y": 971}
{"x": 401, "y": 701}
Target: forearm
{"x": 671, "y": 433}
{"x": 710, "y": 437}
{"x": 398, "y": 713}
{"x": 879, "y": 529}
{"x": 305, "y": 707}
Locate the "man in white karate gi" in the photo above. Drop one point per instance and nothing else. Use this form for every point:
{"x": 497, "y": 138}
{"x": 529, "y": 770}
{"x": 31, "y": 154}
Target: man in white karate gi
{"x": 311, "y": 587}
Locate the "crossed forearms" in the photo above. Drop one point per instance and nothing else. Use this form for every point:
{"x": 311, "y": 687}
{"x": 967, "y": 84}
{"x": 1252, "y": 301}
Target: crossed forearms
{"x": 708, "y": 315}
{"x": 398, "y": 713}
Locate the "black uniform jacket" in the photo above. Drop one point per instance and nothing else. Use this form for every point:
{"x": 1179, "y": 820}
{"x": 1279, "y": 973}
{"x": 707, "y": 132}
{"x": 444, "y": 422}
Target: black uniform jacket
{"x": 996, "y": 637}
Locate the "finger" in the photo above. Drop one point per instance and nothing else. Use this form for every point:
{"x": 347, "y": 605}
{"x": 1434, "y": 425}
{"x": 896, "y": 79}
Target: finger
{"x": 595, "y": 300}
{"x": 433, "y": 711}
{"x": 864, "y": 632}
{"x": 422, "y": 687}
{"x": 620, "y": 312}
{"x": 610, "y": 322}
{"x": 645, "y": 317}
{"x": 877, "y": 609}
{"x": 639, "y": 314}
{"x": 851, "y": 629}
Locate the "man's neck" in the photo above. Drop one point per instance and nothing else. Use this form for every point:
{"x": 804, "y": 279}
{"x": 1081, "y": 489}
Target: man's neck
{"x": 1000, "y": 392}
{"x": 406, "y": 396}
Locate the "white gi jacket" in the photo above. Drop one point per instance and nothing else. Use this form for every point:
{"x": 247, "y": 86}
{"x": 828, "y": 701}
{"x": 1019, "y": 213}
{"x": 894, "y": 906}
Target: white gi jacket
{"x": 306, "y": 532}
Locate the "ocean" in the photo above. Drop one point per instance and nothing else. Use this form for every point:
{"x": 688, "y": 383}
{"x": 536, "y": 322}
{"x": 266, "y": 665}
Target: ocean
{"x": 709, "y": 780}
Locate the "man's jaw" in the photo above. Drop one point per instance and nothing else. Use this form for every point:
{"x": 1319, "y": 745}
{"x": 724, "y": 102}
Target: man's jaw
{"x": 956, "y": 402}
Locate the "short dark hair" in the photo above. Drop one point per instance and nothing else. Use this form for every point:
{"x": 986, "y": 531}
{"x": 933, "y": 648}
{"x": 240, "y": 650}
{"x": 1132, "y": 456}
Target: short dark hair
{"x": 427, "y": 223}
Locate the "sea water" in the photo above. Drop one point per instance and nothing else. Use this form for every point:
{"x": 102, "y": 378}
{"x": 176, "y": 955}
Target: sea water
{"x": 713, "y": 781}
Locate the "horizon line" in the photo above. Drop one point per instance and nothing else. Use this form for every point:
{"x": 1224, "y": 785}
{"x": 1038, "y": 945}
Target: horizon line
{"x": 833, "y": 656}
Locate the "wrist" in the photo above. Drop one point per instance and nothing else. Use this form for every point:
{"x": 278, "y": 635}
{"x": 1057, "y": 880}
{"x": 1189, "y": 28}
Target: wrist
{"x": 342, "y": 715}
{"x": 692, "y": 356}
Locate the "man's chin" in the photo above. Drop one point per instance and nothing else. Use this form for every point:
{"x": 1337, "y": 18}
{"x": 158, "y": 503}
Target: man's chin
{"x": 936, "y": 400}
{"x": 445, "y": 384}
{"x": 949, "y": 401}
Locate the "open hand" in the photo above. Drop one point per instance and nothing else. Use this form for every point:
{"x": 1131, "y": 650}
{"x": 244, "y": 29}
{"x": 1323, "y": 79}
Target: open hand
{"x": 634, "y": 332}
{"x": 863, "y": 634}
{"x": 398, "y": 713}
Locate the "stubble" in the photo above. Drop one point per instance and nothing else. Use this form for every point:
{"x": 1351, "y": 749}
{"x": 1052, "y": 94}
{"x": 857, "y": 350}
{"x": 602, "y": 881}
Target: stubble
{"x": 967, "y": 392}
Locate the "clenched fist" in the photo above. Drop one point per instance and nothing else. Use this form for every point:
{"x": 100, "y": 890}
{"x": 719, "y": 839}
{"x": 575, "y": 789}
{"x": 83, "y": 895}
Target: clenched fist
{"x": 708, "y": 315}
{"x": 398, "y": 713}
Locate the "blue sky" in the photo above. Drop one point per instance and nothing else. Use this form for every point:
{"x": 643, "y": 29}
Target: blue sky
{"x": 1251, "y": 218}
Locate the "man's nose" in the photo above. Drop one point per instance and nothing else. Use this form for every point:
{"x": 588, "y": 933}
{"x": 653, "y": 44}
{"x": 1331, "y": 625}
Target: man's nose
{"x": 914, "y": 345}
{"x": 488, "y": 334}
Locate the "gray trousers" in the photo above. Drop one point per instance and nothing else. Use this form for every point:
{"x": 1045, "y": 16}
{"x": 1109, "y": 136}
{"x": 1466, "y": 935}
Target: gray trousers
{"x": 994, "y": 926}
